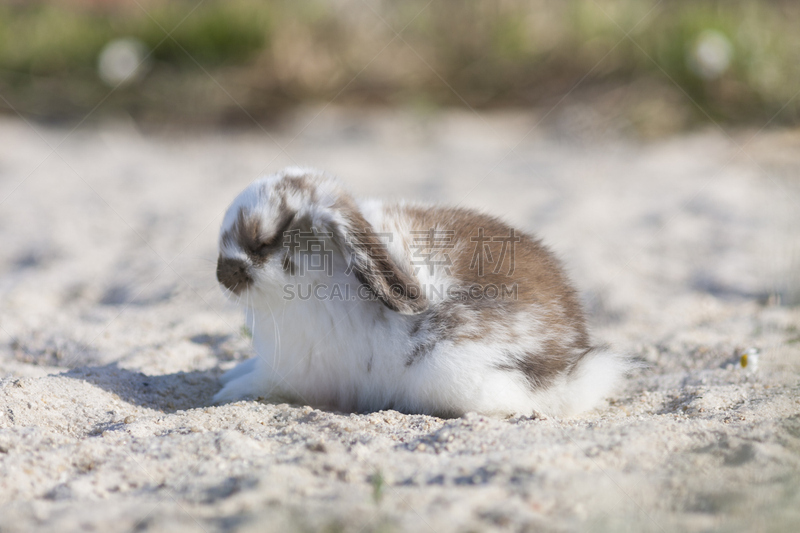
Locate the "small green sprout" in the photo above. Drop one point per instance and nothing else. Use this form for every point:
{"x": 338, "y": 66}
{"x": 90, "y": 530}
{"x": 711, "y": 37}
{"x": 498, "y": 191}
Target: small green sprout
{"x": 378, "y": 483}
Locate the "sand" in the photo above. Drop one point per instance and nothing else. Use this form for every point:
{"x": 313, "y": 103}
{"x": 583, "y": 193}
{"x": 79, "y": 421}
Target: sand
{"x": 113, "y": 333}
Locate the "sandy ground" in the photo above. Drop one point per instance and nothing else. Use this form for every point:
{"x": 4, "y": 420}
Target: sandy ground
{"x": 113, "y": 333}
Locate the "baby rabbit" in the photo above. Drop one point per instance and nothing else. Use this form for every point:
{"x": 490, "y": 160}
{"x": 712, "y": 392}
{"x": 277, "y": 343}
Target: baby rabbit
{"x": 364, "y": 305}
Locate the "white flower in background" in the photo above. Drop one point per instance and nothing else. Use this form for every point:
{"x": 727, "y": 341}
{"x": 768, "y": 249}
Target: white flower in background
{"x": 749, "y": 359}
{"x": 122, "y": 61}
{"x": 711, "y": 55}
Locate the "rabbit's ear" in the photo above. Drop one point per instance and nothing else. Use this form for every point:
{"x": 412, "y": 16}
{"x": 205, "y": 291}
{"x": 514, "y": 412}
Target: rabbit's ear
{"x": 368, "y": 258}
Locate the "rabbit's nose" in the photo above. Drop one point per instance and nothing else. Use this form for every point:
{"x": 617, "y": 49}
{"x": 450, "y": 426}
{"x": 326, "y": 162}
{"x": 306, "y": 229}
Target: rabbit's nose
{"x": 233, "y": 274}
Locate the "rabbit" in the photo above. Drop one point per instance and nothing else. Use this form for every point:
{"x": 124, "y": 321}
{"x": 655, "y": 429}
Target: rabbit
{"x": 360, "y": 306}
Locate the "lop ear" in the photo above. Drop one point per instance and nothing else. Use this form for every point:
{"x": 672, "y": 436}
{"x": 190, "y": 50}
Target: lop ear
{"x": 368, "y": 258}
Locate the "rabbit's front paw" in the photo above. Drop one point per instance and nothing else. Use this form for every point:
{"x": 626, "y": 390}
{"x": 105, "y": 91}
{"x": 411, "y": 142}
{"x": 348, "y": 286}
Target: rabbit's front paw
{"x": 240, "y": 382}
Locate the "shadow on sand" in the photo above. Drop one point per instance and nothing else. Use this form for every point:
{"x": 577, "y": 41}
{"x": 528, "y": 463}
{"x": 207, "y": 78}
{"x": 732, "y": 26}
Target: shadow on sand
{"x": 167, "y": 393}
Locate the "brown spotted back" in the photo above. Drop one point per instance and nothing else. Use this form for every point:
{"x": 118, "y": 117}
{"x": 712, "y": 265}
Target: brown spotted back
{"x": 484, "y": 251}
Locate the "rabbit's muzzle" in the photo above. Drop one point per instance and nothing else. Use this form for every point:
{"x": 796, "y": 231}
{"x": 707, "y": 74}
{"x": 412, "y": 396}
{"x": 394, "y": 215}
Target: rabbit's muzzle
{"x": 233, "y": 274}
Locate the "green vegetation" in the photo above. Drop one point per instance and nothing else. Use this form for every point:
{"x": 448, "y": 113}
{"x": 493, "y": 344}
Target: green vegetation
{"x": 53, "y": 39}
{"x": 378, "y": 486}
{"x": 270, "y": 55}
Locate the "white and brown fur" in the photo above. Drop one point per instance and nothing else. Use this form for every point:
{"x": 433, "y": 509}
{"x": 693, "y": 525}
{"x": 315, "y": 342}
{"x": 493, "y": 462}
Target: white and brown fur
{"x": 423, "y": 343}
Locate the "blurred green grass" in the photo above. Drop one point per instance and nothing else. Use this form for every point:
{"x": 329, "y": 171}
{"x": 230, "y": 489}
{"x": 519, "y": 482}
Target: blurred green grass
{"x": 268, "y": 56}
